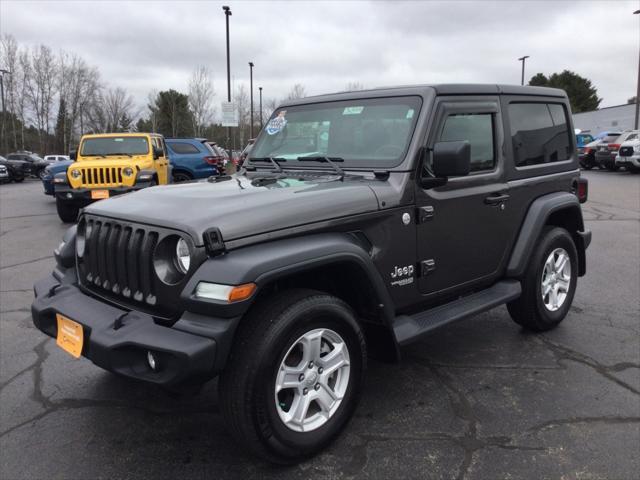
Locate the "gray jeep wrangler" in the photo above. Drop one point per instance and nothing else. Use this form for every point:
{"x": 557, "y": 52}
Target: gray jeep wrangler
{"x": 360, "y": 222}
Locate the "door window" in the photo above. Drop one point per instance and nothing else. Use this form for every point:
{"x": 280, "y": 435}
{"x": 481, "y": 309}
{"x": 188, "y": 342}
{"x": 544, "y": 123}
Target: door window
{"x": 539, "y": 133}
{"x": 183, "y": 147}
{"x": 477, "y": 129}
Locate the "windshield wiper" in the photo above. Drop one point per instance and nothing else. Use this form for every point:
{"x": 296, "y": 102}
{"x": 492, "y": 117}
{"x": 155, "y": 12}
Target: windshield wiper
{"x": 114, "y": 154}
{"x": 273, "y": 160}
{"x": 328, "y": 160}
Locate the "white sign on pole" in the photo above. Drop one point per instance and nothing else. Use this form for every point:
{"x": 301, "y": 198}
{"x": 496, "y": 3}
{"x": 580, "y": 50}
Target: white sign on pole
{"x": 229, "y": 114}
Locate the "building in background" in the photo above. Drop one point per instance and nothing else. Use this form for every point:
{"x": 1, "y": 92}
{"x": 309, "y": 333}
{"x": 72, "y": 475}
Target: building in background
{"x": 619, "y": 117}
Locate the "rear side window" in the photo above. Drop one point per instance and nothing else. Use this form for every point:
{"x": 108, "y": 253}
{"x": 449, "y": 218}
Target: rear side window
{"x": 539, "y": 133}
{"x": 477, "y": 129}
{"x": 182, "y": 147}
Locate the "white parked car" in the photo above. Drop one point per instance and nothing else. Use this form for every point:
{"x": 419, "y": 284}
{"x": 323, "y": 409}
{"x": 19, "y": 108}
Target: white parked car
{"x": 629, "y": 155}
{"x": 56, "y": 158}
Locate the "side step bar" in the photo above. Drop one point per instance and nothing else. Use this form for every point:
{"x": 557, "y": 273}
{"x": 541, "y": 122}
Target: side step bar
{"x": 408, "y": 328}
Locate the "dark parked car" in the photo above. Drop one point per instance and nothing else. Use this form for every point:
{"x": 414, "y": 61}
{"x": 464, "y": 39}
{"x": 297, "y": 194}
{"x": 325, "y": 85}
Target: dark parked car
{"x": 192, "y": 158}
{"x": 50, "y": 171}
{"x": 361, "y": 222}
{"x": 587, "y": 158}
{"x": 15, "y": 169}
{"x": 607, "y": 149}
{"x": 34, "y": 165}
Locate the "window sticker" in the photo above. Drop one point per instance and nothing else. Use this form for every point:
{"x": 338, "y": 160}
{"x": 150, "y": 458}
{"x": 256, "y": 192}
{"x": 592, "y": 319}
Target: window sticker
{"x": 118, "y": 139}
{"x": 410, "y": 113}
{"x": 352, "y": 110}
{"x": 277, "y": 124}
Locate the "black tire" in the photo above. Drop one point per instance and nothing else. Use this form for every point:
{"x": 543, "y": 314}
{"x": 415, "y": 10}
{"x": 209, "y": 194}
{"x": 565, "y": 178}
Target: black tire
{"x": 67, "y": 211}
{"x": 587, "y": 166}
{"x": 613, "y": 168}
{"x": 529, "y": 310}
{"x": 247, "y": 385}
{"x": 18, "y": 179}
{"x": 179, "y": 177}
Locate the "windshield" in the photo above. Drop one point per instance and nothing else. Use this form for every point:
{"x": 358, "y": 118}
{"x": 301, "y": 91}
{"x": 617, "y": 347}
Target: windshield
{"x": 364, "y": 133}
{"x": 115, "y": 146}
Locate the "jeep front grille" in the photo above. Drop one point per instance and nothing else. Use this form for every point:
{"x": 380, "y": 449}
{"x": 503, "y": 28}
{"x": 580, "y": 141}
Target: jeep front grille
{"x": 101, "y": 176}
{"x": 118, "y": 259}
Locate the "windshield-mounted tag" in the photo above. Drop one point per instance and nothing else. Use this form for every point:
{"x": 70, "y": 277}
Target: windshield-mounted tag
{"x": 352, "y": 110}
{"x": 276, "y": 124}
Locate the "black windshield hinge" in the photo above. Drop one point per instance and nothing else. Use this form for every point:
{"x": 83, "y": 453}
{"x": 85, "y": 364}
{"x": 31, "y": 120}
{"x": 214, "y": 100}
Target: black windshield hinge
{"x": 425, "y": 214}
{"x": 427, "y": 266}
{"x": 381, "y": 174}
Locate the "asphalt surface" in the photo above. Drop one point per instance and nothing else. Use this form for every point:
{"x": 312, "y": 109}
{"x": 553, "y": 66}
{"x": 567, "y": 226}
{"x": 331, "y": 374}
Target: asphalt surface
{"x": 481, "y": 399}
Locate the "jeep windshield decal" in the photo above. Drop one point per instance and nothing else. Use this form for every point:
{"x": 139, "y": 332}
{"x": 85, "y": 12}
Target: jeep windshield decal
{"x": 372, "y": 132}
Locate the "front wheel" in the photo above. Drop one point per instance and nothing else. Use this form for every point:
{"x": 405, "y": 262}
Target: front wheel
{"x": 67, "y": 211}
{"x": 549, "y": 283}
{"x": 294, "y": 374}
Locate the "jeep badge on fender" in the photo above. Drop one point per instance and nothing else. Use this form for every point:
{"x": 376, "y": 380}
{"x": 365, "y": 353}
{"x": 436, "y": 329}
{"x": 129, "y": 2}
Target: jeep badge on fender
{"x": 310, "y": 251}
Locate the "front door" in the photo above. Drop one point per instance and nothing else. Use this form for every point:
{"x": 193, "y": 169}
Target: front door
{"x": 463, "y": 232}
{"x": 162, "y": 162}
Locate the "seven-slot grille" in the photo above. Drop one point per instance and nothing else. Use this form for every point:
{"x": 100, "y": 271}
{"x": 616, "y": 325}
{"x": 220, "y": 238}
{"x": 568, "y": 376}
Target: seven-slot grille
{"x": 102, "y": 176}
{"x": 626, "y": 151}
{"x": 118, "y": 258}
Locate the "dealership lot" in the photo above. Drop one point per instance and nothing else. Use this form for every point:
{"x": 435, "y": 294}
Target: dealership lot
{"x": 480, "y": 399}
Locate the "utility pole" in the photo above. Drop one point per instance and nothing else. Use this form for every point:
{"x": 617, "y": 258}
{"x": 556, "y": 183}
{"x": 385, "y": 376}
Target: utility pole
{"x": 637, "y": 119}
{"x": 251, "y": 101}
{"x": 4, "y": 112}
{"x": 523, "y": 59}
{"x": 260, "y": 88}
{"x": 227, "y": 13}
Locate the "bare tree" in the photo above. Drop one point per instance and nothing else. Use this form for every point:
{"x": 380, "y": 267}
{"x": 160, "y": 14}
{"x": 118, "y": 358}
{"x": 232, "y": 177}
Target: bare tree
{"x": 152, "y": 105}
{"x": 297, "y": 91}
{"x": 111, "y": 111}
{"x": 9, "y": 61}
{"x": 241, "y": 99}
{"x": 269, "y": 106}
{"x": 41, "y": 87}
{"x": 201, "y": 93}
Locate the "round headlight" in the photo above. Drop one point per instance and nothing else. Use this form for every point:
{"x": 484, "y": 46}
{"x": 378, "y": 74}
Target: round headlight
{"x": 75, "y": 173}
{"x": 127, "y": 171}
{"x": 183, "y": 256}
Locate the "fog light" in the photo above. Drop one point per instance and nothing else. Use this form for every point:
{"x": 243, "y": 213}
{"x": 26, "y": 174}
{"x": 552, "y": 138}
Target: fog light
{"x": 151, "y": 360}
{"x": 69, "y": 195}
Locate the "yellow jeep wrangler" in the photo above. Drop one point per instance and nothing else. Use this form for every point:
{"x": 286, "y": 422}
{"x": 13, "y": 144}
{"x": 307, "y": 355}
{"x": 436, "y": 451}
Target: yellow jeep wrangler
{"x": 110, "y": 164}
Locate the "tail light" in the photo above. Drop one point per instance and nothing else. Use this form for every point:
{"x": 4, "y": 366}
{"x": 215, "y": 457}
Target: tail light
{"x": 582, "y": 190}
{"x": 215, "y": 161}
{"x": 588, "y": 150}
{"x": 614, "y": 146}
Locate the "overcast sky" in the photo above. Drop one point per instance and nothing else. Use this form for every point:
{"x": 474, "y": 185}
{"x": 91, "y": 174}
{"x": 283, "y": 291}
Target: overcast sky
{"x": 145, "y": 45}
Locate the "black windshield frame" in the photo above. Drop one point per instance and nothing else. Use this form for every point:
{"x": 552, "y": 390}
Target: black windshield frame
{"x": 111, "y": 140}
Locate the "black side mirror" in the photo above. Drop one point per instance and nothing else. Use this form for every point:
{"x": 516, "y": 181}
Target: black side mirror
{"x": 451, "y": 159}
{"x": 72, "y": 155}
{"x": 157, "y": 153}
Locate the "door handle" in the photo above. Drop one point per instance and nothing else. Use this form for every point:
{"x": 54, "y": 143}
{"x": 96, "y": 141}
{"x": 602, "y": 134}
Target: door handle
{"x": 496, "y": 198}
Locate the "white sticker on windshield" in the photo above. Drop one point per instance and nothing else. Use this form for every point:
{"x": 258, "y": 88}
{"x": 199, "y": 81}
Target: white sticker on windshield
{"x": 118, "y": 139}
{"x": 410, "y": 113}
{"x": 276, "y": 124}
{"x": 352, "y": 110}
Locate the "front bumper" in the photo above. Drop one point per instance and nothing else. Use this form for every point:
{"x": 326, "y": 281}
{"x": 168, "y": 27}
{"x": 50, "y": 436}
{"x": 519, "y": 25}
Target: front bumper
{"x": 632, "y": 161}
{"x": 83, "y": 195}
{"x": 193, "y": 349}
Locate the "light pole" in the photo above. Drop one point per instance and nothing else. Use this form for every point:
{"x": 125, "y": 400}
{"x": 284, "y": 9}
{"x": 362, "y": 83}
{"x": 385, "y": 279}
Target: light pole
{"x": 251, "y": 101}
{"x": 523, "y": 59}
{"x": 4, "y": 113}
{"x": 260, "y": 88}
{"x": 637, "y": 120}
{"x": 227, "y": 13}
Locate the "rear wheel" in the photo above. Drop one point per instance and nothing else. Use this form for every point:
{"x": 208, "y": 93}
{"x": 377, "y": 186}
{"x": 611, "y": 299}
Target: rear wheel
{"x": 181, "y": 177}
{"x": 293, "y": 376}
{"x": 67, "y": 211}
{"x": 613, "y": 167}
{"x": 549, "y": 283}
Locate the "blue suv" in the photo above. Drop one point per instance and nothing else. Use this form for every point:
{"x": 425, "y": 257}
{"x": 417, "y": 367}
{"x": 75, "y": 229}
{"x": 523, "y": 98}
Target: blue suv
{"x": 50, "y": 172}
{"x": 193, "y": 158}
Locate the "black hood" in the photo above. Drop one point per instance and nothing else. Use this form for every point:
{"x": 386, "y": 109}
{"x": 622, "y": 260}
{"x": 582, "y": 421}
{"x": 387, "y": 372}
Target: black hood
{"x": 241, "y": 207}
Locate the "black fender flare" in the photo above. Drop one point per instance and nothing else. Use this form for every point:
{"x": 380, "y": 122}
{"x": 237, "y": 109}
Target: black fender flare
{"x": 263, "y": 263}
{"x": 542, "y": 212}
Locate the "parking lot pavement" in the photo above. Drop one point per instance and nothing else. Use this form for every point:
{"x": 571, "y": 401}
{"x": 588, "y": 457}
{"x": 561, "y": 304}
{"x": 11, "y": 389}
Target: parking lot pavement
{"x": 481, "y": 399}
